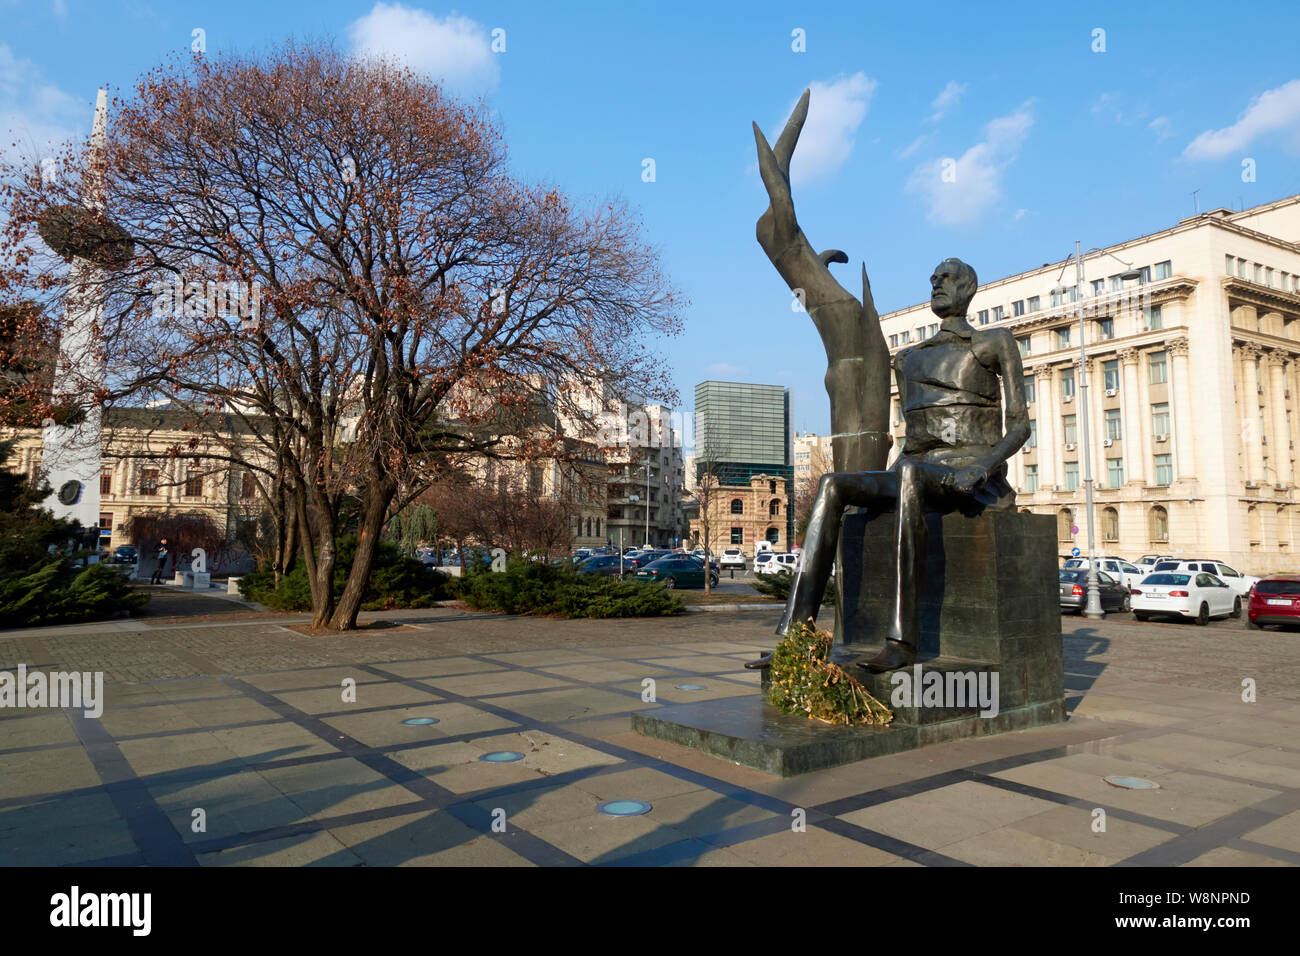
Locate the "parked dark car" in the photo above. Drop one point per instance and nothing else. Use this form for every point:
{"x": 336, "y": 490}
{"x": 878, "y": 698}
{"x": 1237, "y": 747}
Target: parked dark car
{"x": 699, "y": 559}
{"x": 604, "y": 564}
{"x": 1274, "y": 600}
{"x": 676, "y": 571}
{"x": 125, "y": 554}
{"x": 1074, "y": 592}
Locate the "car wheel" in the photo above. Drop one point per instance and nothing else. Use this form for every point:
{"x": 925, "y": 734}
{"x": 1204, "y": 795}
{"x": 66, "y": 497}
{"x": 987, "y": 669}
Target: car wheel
{"x": 1203, "y": 615}
{"x": 1236, "y": 607}
{"x": 1141, "y": 616}
{"x": 713, "y": 581}
{"x": 1126, "y": 605}
{"x": 670, "y": 583}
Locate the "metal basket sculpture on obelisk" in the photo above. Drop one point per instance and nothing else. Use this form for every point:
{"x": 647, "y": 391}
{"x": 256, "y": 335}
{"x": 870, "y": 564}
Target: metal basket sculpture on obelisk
{"x": 952, "y": 389}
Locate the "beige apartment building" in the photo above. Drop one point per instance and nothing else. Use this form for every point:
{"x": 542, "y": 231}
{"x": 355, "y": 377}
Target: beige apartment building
{"x": 813, "y": 457}
{"x": 743, "y": 515}
{"x": 1194, "y": 387}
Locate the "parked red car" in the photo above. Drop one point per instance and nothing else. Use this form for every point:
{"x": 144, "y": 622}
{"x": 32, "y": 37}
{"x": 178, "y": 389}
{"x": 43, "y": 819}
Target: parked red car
{"x": 1275, "y": 600}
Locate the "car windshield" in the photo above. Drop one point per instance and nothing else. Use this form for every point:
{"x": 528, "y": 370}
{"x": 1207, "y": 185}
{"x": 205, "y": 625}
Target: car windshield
{"x": 1074, "y": 563}
{"x": 1161, "y": 579}
{"x": 764, "y": 556}
{"x": 1278, "y": 587}
{"x": 1166, "y": 566}
{"x": 1072, "y": 576}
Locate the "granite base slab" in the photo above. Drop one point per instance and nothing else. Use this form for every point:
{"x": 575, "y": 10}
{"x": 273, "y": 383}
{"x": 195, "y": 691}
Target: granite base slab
{"x": 751, "y": 732}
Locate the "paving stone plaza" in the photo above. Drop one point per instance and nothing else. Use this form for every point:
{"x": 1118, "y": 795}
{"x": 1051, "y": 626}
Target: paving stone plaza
{"x": 243, "y": 718}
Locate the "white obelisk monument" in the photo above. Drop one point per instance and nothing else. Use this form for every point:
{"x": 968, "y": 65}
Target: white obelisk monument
{"x": 72, "y": 455}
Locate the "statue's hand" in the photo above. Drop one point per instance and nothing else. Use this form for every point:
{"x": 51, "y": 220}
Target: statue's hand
{"x": 965, "y": 479}
{"x": 774, "y": 166}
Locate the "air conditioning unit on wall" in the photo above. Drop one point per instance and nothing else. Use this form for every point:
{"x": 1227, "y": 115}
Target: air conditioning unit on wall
{"x": 1108, "y": 442}
{"x": 1112, "y": 392}
{"x": 1068, "y": 399}
{"x": 1069, "y": 446}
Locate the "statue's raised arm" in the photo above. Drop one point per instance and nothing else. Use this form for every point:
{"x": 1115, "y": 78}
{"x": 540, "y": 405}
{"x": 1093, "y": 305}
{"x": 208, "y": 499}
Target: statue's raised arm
{"x": 857, "y": 373}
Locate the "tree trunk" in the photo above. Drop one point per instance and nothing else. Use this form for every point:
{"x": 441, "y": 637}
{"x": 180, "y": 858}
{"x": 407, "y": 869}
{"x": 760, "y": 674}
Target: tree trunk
{"x": 379, "y": 497}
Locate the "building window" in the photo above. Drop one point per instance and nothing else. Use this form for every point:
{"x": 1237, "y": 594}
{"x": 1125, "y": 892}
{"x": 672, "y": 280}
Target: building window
{"x": 1155, "y": 320}
{"x": 737, "y": 536}
{"x": 1144, "y": 275}
{"x": 1071, "y": 476}
{"x": 193, "y": 484}
{"x": 1072, "y": 293}
{"x": 774, "y": 508}
{"x": 905, "y": 337}
{"x": 1098, "y": 286}
{"x": 1160, "y": 420}
{"x": 1056, "y": 298}
{"x": 893, "y": 340}
{"x": 773, "y": 536}
{"x": 597, "y": 527}
{"x": 1241, "y": 268}
{"x": 984, "y": 316}
{"x": 737, "y": 506}
{"x": 998, "y": 313}
{"x": 1063, "y": 338}
{"x": 1164, "y": 269}
{"x": 771, "y": 487}
{"x": 1023, "y": 344}
{"x": 1035, "y": 303}
{"x": 149, "y": 481}
{"x": 1031, "y": 479}
{"x": 1159, "y": 368}
{"x": 1116, "y": 283}
{"x": 247, "y": 486}
{"x": 1065, "y": 524}
{"x": 1031, "y": 389}
{"x": 1159, "y": 518}
{"x": 588, "y": 534}
{"x": 1110, "y": 374}
{"x": 1032, "y": 440}
{"x": 1110, "y": 525}
{"x": 1112, "y": 424}
{"x": 1018, "y": 307}
{"x": 1069, "y": 429}
{"x": 1164, "y": 469}
{"x": 1259, "y": 273}
{"x": 105, "y": 525}
{"x": 1114, "y": 472}
{"x": 1106, "y": 328}
{"x": 1228, "y": 261}
{"x": 106, "y": 482}
{"x": 1067, "y": 383}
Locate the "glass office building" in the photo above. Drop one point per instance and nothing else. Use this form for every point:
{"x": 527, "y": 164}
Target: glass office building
{"x": 744, "y": 429}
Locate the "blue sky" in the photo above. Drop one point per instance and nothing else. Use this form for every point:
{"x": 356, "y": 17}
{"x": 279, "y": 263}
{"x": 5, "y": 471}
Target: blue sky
{"x": 1051, "y": 138}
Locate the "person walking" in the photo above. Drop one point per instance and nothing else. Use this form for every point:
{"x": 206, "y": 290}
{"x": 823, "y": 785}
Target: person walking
{"x": 162, "y": 562}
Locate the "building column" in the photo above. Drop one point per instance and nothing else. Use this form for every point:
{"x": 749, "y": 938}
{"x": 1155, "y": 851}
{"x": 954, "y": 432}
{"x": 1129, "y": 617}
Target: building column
{"x": 1248, "y": 414}
{"x": 1096, "y": 422}
{"x": 1279, "y": 439}
{"x": 1134, "y": 429}
{"x": 1181, "y": 394}
{"x": 1047, "y": 416}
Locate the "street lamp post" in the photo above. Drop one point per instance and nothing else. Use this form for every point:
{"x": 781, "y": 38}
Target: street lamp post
{"x": 1092, "y": 607}
{"x": 647, "y": 504}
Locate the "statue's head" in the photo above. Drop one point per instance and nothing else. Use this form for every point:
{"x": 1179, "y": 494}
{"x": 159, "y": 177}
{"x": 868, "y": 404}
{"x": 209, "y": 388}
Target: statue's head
{"x": 952, "y": 287}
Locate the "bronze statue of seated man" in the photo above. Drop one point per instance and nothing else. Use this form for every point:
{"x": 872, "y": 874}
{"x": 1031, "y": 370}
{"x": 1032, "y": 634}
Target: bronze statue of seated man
{"x": 951, "y": 388}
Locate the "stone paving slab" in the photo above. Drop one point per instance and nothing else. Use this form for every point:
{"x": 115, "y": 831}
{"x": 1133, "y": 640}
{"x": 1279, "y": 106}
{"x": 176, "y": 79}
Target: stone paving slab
{"x": 247, "y": 721}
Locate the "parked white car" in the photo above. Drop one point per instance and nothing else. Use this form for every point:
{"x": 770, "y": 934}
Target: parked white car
{"x": 1148, "y": 562}
{"x": 773, "y": 562}
{"x": 732, "y": 558}
{"x": 1117, "y": 568}
{"x": 1191, "y": 594}
{"x": 1240, "y": 583}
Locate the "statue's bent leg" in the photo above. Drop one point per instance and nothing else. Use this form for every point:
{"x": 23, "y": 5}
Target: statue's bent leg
{"x": 835, "y": 493}
{"x": 912, "y": 540}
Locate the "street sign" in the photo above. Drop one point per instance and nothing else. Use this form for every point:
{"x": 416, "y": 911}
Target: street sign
{"x": 1074, "y": 551}
{"x": 1074, "y": 529}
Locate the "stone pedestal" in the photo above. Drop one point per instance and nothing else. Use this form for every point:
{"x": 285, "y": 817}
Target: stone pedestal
{"x": 195, "y": 579}
{"x": 990, "y": 609}
{"x": 232, "y": 586}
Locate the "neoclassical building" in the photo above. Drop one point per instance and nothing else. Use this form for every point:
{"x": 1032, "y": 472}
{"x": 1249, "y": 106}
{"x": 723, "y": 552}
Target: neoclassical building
{"x": 1193, "y": 367}
{"x": 743, "y": 515}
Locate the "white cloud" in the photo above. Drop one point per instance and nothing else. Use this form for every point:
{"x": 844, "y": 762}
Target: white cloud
{"x": 961, "y": 191}
{"x": 1160, "y": 126}
{"x": 946, "y": 100}
{"x": 454, "y": 50}
{"x": 835, "y": 112}
{"x": 36, "y": 119}
{"x": 1272, "y": 110}
{"x": 911, "y": 148}
{"x": 723, "y": 368}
